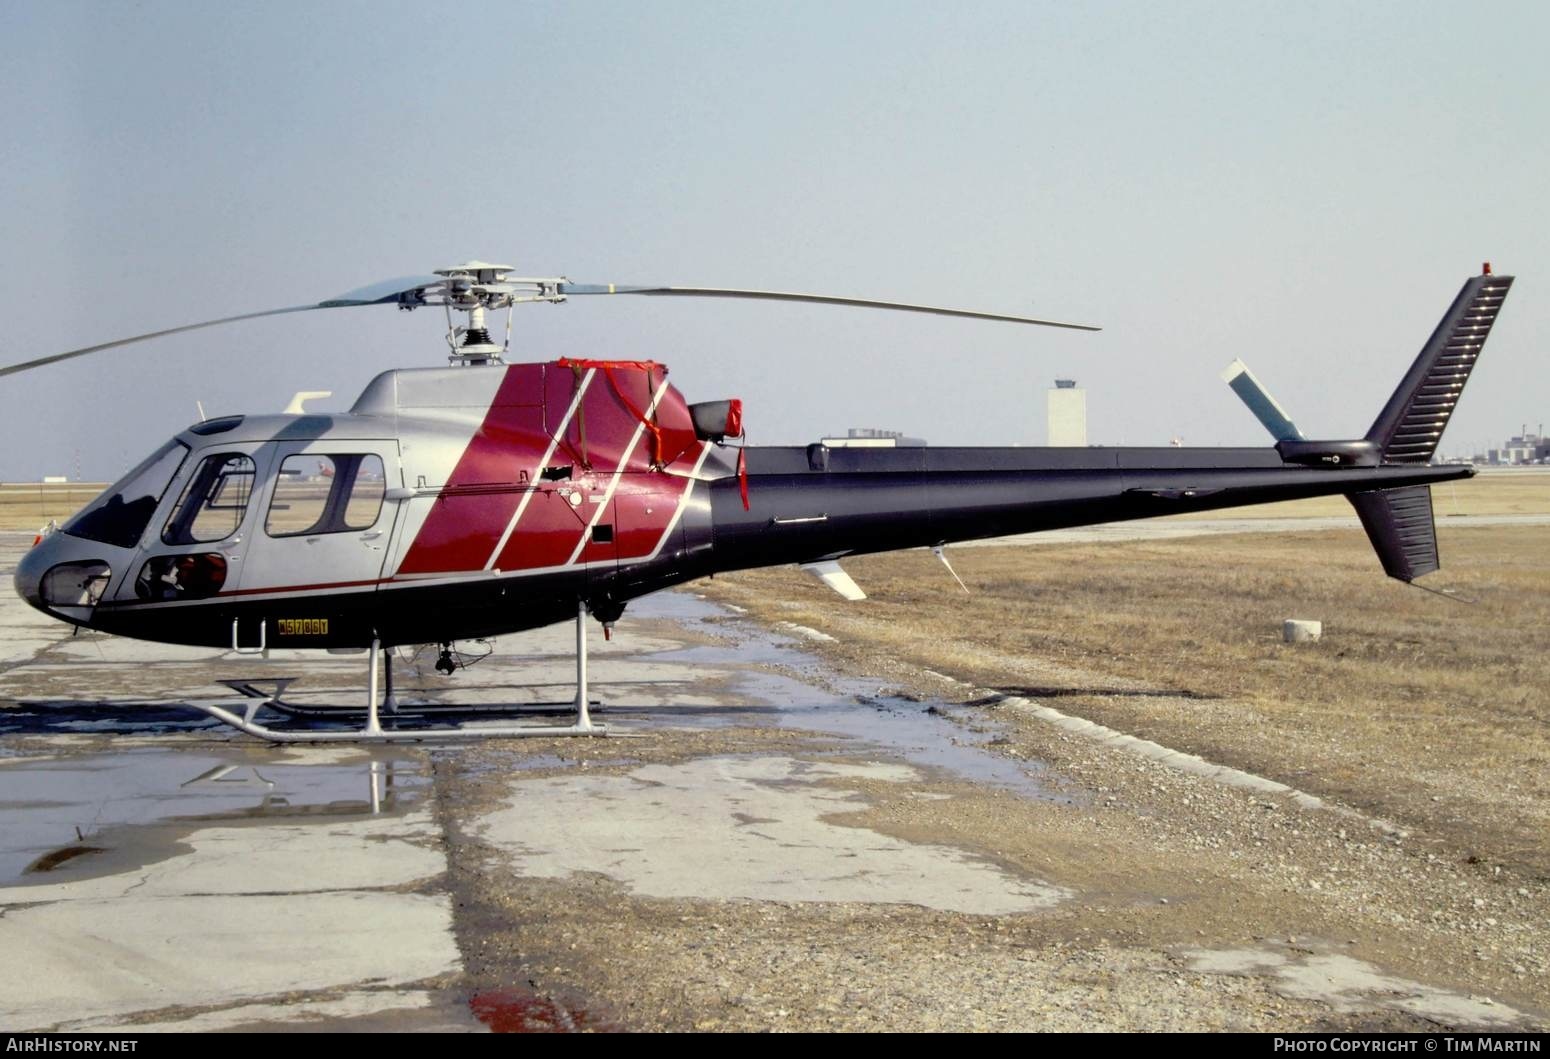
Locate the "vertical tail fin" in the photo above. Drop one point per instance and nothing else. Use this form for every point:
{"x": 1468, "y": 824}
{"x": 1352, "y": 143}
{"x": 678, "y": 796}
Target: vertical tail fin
{"x": 1399, "y": 521}
{"x": 1411, "y": 424}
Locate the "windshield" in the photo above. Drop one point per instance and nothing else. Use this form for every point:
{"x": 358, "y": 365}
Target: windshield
{"x": 119, "y": 516}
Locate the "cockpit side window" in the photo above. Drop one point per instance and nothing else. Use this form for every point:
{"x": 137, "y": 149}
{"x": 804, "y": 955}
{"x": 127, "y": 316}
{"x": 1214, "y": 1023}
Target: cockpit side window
{"x": 326, "y": 494}
{"x": 119, "y": 516}
{"x": 213, "y": 503}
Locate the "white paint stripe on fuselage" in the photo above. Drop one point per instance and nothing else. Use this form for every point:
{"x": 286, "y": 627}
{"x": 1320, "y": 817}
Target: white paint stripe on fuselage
{"x": 683, "y": 501}
{"x": 554, "y": 443}
{"x": 433, "y": 580}
{"x": 613, "y": 482}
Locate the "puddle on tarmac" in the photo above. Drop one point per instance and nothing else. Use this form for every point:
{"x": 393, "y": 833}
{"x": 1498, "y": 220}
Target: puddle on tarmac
{"x": 518, "y": 761}
{"x": 523, "y": 1011}
{"x": 920, "y": 732}
{"x": 50, "y": 861}
{"x": 53, "y": 808}
{"x": 57, "y": 716}
{"x": 61, "y": 717}
{"x": 93, "y": 793}
{"x": 925, "y": 735}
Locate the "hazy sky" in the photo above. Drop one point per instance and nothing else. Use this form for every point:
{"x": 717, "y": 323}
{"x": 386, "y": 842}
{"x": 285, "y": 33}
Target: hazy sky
{"x": 1303, "y": 185}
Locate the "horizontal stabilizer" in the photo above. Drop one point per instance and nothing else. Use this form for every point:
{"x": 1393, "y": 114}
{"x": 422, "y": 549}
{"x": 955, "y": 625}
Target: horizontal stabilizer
{"x": 1248, "y": 388}
{"x": 829, "y": 573}
{"x": 1399, "y": 524}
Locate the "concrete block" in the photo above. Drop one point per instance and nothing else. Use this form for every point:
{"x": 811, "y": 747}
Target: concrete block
{"x": 1295, "y": 631}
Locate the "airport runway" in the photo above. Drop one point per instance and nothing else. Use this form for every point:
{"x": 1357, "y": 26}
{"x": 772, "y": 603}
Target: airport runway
{"x": 773, "y": 846}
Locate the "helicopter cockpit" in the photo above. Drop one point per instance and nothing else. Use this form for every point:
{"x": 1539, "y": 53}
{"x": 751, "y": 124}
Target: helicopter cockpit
{"x": 120, "y": 515}
{"x": 268, "y": 505}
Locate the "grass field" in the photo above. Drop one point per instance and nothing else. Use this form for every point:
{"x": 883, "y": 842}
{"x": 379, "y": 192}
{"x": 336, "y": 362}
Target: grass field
{"x": 1503, "y": 491}
{"x": 29, "y": 505}
{"x": 1428, "y": 711}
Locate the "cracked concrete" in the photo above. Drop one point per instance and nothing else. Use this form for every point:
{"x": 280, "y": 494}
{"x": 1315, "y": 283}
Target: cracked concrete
{"x": 1351, "y": 985}
{"x": 264, "y": 908}
{"x": 741, "y": 828}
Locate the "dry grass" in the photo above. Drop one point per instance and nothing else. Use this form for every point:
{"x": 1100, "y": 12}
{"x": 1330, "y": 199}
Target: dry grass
{"x": 1492, "y": 492}
{"x": 1427, "y": 711}
{"x": 29, "y": 505}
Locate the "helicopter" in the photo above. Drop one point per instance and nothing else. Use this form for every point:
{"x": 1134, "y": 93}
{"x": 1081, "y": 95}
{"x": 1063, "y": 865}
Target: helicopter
{"x": 486, "y": 498}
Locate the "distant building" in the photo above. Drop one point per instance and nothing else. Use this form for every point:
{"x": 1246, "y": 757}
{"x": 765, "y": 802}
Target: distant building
{"x": 1521, "y": 449}
{"x": 872, "y": 438}
{"x": 1067, "y": 414}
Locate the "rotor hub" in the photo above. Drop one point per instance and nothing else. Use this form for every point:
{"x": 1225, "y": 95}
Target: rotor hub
{"x": 472, "y": 288}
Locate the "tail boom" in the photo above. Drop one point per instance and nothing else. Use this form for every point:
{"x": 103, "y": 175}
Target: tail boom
{"x": 871, "y": 500}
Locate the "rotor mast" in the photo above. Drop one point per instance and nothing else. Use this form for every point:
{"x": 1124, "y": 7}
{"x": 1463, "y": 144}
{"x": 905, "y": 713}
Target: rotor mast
{"x": 472, "y": 288}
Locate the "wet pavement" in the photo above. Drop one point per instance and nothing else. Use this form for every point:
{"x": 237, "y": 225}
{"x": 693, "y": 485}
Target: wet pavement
{"x": 176, "y": 881}
{"x": 160, "y": 870}
{"x": 50, "y": 804}
{"x": 743, "y": 828}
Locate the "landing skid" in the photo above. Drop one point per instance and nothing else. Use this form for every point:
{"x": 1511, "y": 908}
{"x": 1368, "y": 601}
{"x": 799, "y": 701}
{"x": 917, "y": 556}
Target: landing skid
{"x": 405, "y": 711}
{"x": 268, "y": 692}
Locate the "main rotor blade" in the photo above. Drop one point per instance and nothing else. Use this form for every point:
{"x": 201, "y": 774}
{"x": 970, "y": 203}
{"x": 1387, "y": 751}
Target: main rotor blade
{"x": 383, "y": 293}
{"x": 12, "y": 369}
{"x": 411, "y": 291}
{"x": 820, "y": 299}
{"x": 389, "y": 290}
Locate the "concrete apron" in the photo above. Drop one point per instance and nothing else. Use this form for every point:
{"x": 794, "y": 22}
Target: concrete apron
{"x": 244, "y": 886}
{"x": 164, "y": 872}
{"x": 183, "y": 879}
{"x": 155, "y": 875}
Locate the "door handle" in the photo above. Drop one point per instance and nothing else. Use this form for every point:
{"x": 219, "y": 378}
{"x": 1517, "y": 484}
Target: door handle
{"x": 371, "y": 535}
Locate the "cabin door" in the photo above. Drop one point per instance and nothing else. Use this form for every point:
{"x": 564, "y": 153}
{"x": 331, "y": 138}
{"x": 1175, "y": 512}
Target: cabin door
{"x": 325, "y": 522}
